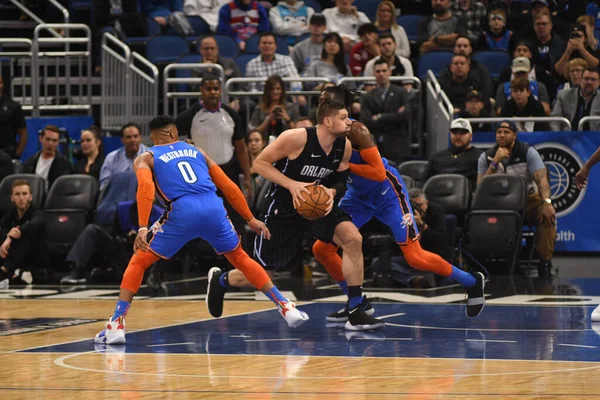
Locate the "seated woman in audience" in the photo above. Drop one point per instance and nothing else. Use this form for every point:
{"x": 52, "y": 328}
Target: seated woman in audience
{"x": 273, "y": 115}
{"x": 93, "y": 154}
{"x": 256, "y": 144}
{"x": 386, "y": 23}
{"x": 574, "y": 74}
{"x": 332, "y": 64}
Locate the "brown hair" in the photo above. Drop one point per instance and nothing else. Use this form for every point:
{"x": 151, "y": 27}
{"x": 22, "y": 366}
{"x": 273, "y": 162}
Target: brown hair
{"x": 542, "y": 14}
{"x": 327, "y": 108}
{"x": 266, "y": 101}
{"x": 520, "y": 84}
{"x": 19, "y": 182}
{"x": 390, "y": 4}
{"x": 51, "y": 128}
{"x": 575, "y": 62}
{"x": 586, "y": 19}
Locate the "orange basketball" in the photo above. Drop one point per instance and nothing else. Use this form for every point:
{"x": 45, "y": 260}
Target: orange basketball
{"x": 315, "y": 203}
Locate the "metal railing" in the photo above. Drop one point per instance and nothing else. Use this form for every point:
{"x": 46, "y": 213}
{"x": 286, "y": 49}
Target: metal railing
{"x": 402, "y": 79}
{"x": 181, "y": 97}
{"x": 19, "y": 66}
{"x": 586, "y": 120}
{"x": 144, "y": 91}
{"x": 439, "y": 111}
{"x": 62, "y": 9}
{"x": 53, "y": 63}
{"x": 34, "y": 17}
{"x": 560, "y": 120}
{"x": 115, "y": 106}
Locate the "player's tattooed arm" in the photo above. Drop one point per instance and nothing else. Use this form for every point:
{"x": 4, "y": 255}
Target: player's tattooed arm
{"x": 541, "y": 179}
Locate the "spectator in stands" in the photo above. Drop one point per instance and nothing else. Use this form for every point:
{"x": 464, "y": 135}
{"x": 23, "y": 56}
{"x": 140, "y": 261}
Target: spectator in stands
{"x": 517, "y": 13}
{"x": 521, "y": 69}
{"x": 460, "y": 81}
{"x": 474, "y": 14}
{"x": 23, "y": 234}
{"x": 364, "y": 50}
{"x": 497, "y": 37}
{"x": 549, "y": 45}
{"x": 93, "y": 153}
{"x": 439, "y": 32}
{"x": 218, "y": 130}
{"x": 256, "y": 144}
{"x": 463, "y": 46}
{"x": 537, "y": 72}
{"x": 310, "y": 49}
{"x": 578, "y": 46}
{"x": 575, "y": 69}
{"x": 400, "y": 66}
{"x": 12, "y": 124}
{"x": 475, "y": 108}
{"x": 386, "y": 24}
{"x": 273, "y": 115}
{"x": 303, "y": 122}
{"x": 568, "y": 10}
{"x": 159, "y": 10}
{"x": 209, "y": 49}
{"x": 268, "y": 63}
{"x": 417, "y": 7}
{"x": 523, "y": 104}
{"x": 208, "y": 10}
{"x": 121, "y": 160}
{"x": 332, "y": 64}
{"x": 539, "y": 7}
{"x": 514, "y": 157}
{"x": 241, "y": 19}
{"x": 101, "y": 241}
{"x": 345, "y": 19}
{"x": 579, "y": 102}
{"x": 588, "y": 22}
{"x": 290, "y": 18}
{"x": 461, "y": 158}
{"x": 48, "y": 163}
{"x": 383, "y": 111}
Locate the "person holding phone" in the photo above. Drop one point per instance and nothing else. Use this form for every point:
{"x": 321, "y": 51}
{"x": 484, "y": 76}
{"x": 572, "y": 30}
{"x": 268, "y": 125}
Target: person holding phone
{"x": 578, "y": 47}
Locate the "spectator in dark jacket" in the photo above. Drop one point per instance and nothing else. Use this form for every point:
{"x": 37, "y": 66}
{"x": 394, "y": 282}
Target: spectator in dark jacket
{"x": 460, "y": 82}
{"x": 93, "y": 153}
{"x": 439, "y": 32}
{"x": 48, "y": 163}
{"x": 523, "y": 104}
{"x": 23, "y": 233}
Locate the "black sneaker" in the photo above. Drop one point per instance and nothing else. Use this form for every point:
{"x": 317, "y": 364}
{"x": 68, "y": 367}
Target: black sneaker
{"x": 476, "y": 296}
{"x": 75, "y": 276}
{"x": 358, "y": 320}
{"x": 215, "y": 293}
{"x": 342, "y": 315}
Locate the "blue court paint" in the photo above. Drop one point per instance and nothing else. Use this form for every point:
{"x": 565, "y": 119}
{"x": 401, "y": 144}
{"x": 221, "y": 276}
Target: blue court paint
{"x": 438, "y": 331}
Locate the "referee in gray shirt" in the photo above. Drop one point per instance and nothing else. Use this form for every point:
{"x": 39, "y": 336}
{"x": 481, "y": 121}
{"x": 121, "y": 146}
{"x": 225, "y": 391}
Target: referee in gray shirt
{"x": 217, "y": 129}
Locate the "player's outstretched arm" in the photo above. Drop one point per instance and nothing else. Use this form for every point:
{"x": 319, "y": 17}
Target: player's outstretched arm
{"x": 582, "y": 175}
{"x": 361, "y": 138}
{"x": 146, "y": 192}
{"x": 289, "y": 144}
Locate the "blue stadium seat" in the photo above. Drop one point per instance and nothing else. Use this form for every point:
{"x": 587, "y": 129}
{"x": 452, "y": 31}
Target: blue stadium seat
{"x": 435, "y": 61}
{"x": 199, "y": 25}
{"x": 314, "y": 4}
{"x": 227, "y": 46}
{"x": 242, "y": 60}
{"x": 165, "y": 49}
{"x": 369, "y": 7}
{"x": 494, "y": 61}
{"x": 411, "y": 24}
{"x": 282, "y": 45}
{"x": 189, "y": 58}
{"x": 597, "y": 32}
{"x": 153, "y": 27}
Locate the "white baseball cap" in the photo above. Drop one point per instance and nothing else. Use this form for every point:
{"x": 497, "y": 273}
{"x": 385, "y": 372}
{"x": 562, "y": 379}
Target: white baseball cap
{"x": 461, "y": 123}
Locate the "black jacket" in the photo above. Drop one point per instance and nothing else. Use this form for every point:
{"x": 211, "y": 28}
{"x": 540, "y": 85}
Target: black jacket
{"x": 32, "y": 224}
{"x": 60, "y": 166}
{"x": 391, "y": 120}
{"x": 94, "y": 168}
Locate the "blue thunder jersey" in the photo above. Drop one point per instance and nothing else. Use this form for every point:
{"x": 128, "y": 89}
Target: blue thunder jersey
{"x": 358, "y": 185}
{"x": 180, "y": 169}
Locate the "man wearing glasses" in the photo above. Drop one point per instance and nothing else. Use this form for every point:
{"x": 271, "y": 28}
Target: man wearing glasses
{"x": 579, "y": 102}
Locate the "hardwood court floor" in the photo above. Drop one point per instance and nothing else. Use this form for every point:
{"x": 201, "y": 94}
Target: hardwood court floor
{"x": 425, "y": 352}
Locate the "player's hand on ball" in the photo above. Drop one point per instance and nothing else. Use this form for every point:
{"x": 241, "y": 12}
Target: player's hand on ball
{"x": 296, "y": 188}
{"x": 581, "y": 177}
{"x": 260, "y": 228}
{"x": 331, "y": 198}
{"x": 140, "y": 241}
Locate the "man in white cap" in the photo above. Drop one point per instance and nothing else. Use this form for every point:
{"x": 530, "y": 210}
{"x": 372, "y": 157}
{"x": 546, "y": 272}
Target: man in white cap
{"x": 461, "y": 158}
{"x": 521, "y": 66}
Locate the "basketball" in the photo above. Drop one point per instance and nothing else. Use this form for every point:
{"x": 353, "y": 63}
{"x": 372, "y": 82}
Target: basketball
{"x": 315, "y": 203}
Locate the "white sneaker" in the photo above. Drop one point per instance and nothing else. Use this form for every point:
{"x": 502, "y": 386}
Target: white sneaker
{"x": 596, "y": 315}
{"x": 292, "y": 315}
{"x": 114, "y": 332}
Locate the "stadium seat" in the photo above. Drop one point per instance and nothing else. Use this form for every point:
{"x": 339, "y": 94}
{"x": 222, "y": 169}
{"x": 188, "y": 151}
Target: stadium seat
{"x": 494, "y": 61}
{"x": 411, "y": 24}
{"x": 189, "y": 58}
{"x": 314, "y": 4}
{"x": 165, "y": 49}
{"x": 451, "y": 191}
{"x": 122, "y": 187}
{"x": 199, "y": 25}
{"x": 415, "y": 169}
{"x": 409, "y": 182}
{"x": 38, "y": 190}
{"x": 369, "y": 7}
{"x": 228, "y": 47}
{"x": 435, "y": 61}
{"x": 153, "y": 27}
{"x": 243, "y": 59}
{"x": 282, "y": 45}
{"x": 493, "y": 227}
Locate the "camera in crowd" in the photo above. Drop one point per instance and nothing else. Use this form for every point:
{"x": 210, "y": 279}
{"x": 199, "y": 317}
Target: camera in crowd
{"x": 578, "y": 32}
{"x": 417, "y": 209}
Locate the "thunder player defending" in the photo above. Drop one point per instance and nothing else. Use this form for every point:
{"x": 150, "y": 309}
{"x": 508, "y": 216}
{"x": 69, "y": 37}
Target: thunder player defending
{"x": 297, "y": 158}
{"x": 185, "y": 178}
{"x": 375, "y": 189}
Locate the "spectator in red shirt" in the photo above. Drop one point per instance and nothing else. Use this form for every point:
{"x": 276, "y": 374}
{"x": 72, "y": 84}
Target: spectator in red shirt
{"x": 366, "y": 49}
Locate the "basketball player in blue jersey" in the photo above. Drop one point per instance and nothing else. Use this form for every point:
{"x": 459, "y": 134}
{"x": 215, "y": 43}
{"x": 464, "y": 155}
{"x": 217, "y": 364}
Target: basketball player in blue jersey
{"x": 375, "y": 189}
{"x": 184, "y": 177}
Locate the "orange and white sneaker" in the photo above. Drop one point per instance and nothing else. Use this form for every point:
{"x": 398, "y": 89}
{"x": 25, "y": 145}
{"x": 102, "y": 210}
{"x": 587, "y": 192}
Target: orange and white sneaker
{"x": 114, "y": 332}
{"x": 292, "y": 315}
